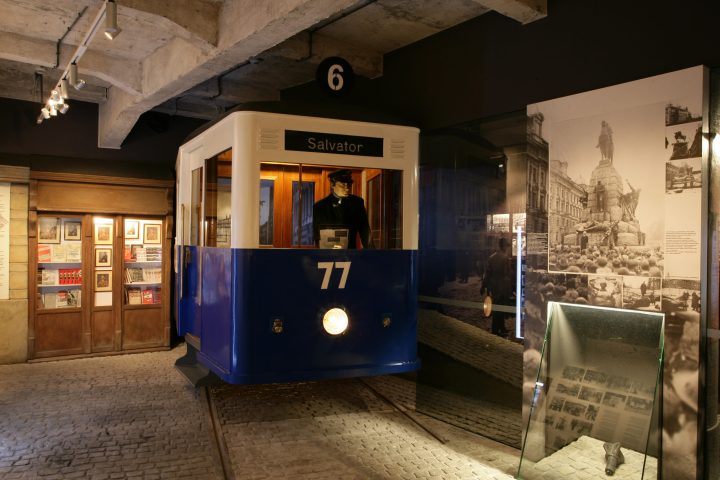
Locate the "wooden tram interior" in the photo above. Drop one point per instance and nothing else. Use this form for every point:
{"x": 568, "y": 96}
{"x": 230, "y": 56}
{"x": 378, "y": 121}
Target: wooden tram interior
{"x": 287, "y": 194}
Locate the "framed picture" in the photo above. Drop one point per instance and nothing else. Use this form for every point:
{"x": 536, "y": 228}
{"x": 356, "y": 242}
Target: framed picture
{"x": 103, "y": 234}
{"x": 71, "y": 231}
{"x": 48, "y": 230}
{"x": 103, "y": 280}
{"x": 132, "y": 229}
{"x": 151, "y": 233}
{"x": 103, "y": 257}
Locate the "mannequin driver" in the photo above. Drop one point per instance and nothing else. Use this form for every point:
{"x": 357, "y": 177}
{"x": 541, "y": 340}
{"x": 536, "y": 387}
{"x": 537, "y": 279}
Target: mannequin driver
{"x": 342, "y": 211}
{"x": 340, "y": 189}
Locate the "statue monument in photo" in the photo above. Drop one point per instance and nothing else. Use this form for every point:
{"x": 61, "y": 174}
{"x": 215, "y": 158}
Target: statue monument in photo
{"x": 608, "y": 217}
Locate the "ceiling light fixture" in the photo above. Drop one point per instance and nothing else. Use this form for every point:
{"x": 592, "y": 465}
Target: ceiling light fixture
{"x": 56, "y": 102}
{"x": 76, "y": 82}
{"x": 111, "y": 26}
{"x": 64, "y": 88}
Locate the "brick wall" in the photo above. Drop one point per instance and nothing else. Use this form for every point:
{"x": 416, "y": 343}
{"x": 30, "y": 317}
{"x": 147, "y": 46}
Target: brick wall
{"x": 14, "y": 312}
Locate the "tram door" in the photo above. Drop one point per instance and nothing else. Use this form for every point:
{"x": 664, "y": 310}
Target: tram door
{"x": 190, "y": 257}
{"x": 287, "y": 196}
{"x": 208, "y": 218}
{"x": 384, "y": 198}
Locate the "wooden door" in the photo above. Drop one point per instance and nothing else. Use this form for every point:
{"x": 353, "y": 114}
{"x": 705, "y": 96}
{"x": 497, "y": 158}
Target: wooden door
{"x": 384, "y": 207}
{"x": 286, "y": 203}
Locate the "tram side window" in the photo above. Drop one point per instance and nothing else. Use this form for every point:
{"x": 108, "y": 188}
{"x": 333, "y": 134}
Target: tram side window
{"x": 303, "y": 199}
{"x": 319, "y": 206}
{"x": 267, "y": 207}
{"x": 218, "y": 181}
{"x": 195, "y": 211}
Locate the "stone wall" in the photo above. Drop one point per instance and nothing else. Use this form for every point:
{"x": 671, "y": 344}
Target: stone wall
{"x": 14, "y": 312}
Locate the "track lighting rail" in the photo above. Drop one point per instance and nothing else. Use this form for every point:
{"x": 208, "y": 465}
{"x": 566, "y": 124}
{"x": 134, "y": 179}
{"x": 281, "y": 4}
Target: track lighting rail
{"x": 56, "y": 102}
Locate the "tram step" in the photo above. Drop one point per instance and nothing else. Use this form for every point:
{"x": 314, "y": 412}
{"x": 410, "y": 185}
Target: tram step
{"x": 196, "y": 373}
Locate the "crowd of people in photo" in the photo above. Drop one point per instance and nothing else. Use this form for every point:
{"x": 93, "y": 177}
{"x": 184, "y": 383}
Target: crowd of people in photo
{"x": 602, "y": 260}
{"x": 559, "y": 288}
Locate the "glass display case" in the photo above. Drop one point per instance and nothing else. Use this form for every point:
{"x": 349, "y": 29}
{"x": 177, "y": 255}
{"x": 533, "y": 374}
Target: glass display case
{"x": 594, "y": 400}
{"x": 59, "y": 262}
{"x": 142, "y": 261}
{"x": 77, "y": 291}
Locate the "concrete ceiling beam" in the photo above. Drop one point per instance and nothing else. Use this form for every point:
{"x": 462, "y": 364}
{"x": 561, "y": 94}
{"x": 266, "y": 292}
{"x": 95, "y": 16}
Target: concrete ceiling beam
{"x": 20, "y": 48}
{"x": 167, "y": 73}
{"x": 313, "y": 48}
{"x": 119, "y": 72}
{"x": 196, "y": 21}
{"x": 246, "y": 28}
{"x": 524, "y": 11}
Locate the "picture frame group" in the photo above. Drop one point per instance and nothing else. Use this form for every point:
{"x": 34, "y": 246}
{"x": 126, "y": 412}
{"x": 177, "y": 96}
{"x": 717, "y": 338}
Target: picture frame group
{"x": 57, "y": 229}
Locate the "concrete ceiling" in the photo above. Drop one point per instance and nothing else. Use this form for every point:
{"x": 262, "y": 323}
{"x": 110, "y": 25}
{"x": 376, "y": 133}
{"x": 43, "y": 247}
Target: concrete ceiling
{"x": 198, "y": 58}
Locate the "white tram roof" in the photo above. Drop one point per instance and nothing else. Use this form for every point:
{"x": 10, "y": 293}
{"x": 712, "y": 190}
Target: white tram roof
{"x": 264, "y": 136}
{"x": 269, "y": 123}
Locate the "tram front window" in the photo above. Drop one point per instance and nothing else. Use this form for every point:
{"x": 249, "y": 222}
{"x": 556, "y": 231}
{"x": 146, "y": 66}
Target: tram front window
{"x": 321, "y": 206}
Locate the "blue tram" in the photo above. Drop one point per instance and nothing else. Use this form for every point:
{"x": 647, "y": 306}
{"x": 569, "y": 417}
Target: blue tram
{"x": 264, "y": 293}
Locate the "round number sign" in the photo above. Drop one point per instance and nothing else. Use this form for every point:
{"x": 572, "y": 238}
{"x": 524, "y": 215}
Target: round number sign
{"x": 335, "y": 75}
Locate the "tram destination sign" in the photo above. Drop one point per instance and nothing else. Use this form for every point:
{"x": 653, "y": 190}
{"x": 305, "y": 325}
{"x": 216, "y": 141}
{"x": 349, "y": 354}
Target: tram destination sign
{"x": 317, "y": 142}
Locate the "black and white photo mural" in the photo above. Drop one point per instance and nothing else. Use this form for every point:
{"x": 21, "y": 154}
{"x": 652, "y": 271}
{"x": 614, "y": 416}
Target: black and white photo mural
{"x": 627, "y": 175}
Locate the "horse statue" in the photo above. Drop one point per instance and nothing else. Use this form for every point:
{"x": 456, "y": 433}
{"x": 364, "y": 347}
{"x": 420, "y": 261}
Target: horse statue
{"x": 605, "y": 142}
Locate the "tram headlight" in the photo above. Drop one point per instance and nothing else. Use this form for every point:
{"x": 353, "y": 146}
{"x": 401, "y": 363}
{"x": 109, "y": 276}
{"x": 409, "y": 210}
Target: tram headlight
{"x": 335, "y": 321}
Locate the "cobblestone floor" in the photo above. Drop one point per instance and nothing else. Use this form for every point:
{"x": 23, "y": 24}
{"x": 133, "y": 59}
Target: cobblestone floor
{"x": 134, "y": 416}
{"x": 128, "y": 416}
{"x": 494, "y": 421}
{"x": 341, "y": 429}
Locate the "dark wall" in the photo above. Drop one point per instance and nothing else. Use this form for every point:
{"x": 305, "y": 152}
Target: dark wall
{"x": 486, "y": 66}
{"x": 492, "y": 65}
{"x": 68, "y": 143}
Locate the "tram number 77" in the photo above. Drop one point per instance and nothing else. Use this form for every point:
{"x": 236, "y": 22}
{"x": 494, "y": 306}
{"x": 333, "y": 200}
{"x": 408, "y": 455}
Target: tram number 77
{"x": 328, "y": 266}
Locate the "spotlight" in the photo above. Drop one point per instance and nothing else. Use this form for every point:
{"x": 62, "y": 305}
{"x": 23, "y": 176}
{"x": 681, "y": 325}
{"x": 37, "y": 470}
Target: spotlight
{"x": 53, "y": 111}
{"x": 55, "y": 98}
{"x": 111, "y": 26}
{"x": 64, "y": 88}
{"x": 40, "y": 119}
{"x": 45, "y": 113}
{"x": 74, "y": 80}
{"x": 63, "y": 108}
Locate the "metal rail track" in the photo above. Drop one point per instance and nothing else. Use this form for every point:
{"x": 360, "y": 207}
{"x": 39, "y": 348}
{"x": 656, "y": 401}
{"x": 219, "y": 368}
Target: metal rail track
{"x": 206, "y": 397}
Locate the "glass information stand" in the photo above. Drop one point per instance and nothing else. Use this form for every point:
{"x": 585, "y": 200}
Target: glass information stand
{"x": 595, "y": 392}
